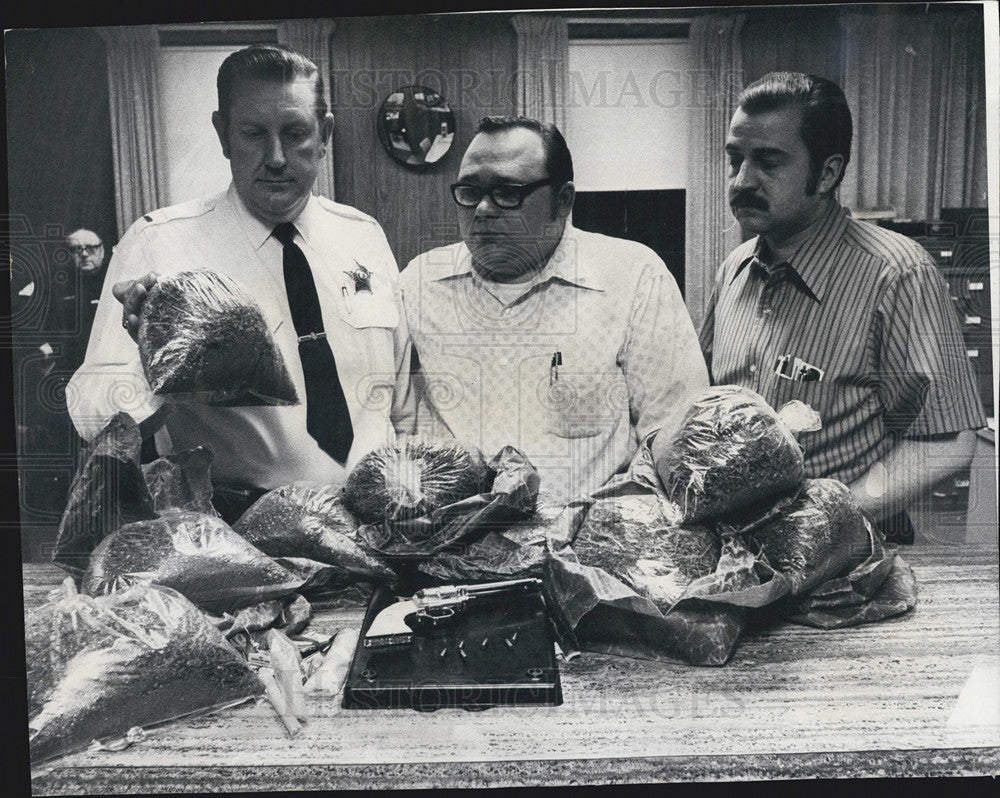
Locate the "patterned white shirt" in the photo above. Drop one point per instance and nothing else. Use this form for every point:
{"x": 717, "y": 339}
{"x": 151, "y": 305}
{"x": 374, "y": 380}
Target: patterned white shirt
{"x": 574, "y": 368}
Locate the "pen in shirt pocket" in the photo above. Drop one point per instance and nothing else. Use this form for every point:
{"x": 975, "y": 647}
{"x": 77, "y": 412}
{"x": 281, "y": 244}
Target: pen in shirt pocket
{"x": 554, "y": 367}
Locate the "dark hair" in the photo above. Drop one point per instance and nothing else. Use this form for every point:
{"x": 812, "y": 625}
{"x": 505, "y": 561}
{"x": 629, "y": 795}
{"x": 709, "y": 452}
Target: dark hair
{"x": 558, "y": 161}
{"x": 273, "y": 62}
{"x": 826, "y": 125}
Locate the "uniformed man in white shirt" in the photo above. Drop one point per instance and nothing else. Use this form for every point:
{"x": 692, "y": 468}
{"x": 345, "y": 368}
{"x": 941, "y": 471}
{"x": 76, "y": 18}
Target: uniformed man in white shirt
{"x": 274, "y": 128}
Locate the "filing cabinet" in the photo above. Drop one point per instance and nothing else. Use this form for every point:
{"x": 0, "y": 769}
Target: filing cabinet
{"x": 965, "y": 265}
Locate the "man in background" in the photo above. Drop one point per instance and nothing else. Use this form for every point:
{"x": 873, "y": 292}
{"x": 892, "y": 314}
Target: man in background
{"x": 66, "y": 296}
{"x": 321, "y": 272}
{"x": 570, "y": 346}
{"x": 845, "y": 316}
{"x": 78, "y": 300}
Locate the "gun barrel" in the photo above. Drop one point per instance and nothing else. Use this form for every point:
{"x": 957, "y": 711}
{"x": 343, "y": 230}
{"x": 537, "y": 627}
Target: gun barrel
{"x": 495, "y": 587}
{"x": 460, "y": 593}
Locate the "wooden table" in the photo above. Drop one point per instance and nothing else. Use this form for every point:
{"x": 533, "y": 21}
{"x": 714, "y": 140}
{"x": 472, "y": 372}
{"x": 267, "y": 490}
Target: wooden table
{"x": 915, "y": 695}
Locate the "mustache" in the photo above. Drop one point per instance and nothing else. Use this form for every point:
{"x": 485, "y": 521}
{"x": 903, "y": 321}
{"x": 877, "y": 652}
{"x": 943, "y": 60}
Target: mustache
{"x": 747, "y": 199}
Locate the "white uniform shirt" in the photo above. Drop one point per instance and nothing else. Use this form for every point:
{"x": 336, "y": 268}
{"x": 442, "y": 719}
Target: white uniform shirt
{"x": 263, "y": 447}
{"x": 609, "y": 309}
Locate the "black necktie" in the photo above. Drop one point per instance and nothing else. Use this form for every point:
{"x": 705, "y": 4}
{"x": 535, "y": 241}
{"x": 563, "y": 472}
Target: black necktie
{"x": 327, "y": 417}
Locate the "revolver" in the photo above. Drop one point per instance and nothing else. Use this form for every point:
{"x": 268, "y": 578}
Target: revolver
{"x": 432, "y": 606}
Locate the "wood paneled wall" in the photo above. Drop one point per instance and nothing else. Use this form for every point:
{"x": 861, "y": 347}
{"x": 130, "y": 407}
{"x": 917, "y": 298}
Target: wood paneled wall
{"x": 470, "y": 60}
{"x": 59, "y": 168}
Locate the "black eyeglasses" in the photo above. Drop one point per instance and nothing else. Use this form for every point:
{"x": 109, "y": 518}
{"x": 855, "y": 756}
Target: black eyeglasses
{"x": 509, "y": 196}
{"x": 84, "y": 249}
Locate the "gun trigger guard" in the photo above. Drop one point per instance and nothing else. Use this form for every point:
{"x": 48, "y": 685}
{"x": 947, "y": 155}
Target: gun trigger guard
{"x": 430, "y": 618}
{"x": 437, "y": 613}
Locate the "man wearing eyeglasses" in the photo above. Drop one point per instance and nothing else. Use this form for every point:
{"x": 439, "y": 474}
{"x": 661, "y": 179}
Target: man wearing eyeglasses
{"x": 571, "y": 346}
{"x": 68, "y": 295}
{"x": 82, "y": 290}
{"x": 86, "y": 250}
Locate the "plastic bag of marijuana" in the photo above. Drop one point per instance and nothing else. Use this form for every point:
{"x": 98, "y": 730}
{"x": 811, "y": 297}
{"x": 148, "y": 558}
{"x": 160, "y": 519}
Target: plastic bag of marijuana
{"x": 96, "y": 667}
{"x": 198, "y": 555}
{"x": 181, "y": 481}
{"x": 839, "y": 570}
{"x": 625, "y": 575}
{"x": 202, "y": 336}
{"x": 515, "y": 552}
{"x": 700, "y": 623}
{"x": 108, "y": 490}
{"x": 309, "y": 521}
{"x": 415, "y": 527}
{"x": 639, "y": 540}
{"x": 819, "y": 535}
{"x": 413, "y": 478}
{"x": 732, "y": 450}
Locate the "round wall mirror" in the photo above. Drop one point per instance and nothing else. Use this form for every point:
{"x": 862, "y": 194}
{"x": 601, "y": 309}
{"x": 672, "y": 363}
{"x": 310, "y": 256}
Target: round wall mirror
{"x": 416, "y": 126}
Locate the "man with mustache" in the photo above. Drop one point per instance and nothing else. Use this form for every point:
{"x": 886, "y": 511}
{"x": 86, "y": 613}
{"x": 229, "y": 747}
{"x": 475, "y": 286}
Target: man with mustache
{"x": 848, "y": 317}
{"x": 571, "y": 346}
{"x": 322, "y": 274}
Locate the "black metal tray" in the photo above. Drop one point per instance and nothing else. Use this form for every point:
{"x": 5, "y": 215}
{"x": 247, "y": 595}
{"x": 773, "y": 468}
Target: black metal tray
{"x": 450, "y": 666}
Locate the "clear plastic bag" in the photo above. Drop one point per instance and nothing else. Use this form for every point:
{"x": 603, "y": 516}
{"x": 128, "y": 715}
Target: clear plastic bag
{"x": 181, "y": 481}
{"x": 509, "y": 494}
{"x": 97, "y": 667}
{"x": 309, "y": 521}
{"x": 108, "y": 490}
{"x": 638, "y": 539}
{"x": 197, "y": 554}
{"x": 731, "y": 451}
{"x": 819, "y": 535}
{"x": 516, "y": 551}
{"x": 412, "y": 479}
{"x": 202, "y": 336}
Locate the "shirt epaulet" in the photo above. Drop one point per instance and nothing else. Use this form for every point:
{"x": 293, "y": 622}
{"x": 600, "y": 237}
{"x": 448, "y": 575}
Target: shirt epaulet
{"x": 345, "y": 211}
{"x": 183, "y": 210}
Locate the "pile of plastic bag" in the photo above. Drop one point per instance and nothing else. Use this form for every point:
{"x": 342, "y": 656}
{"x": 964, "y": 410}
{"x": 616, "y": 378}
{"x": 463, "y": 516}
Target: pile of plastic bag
{"x": 154, "y": 568}
{"x": 668, "y": 560}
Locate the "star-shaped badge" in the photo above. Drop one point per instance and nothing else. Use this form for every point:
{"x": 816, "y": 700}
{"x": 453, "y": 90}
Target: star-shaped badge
{"x": 362, "y": 279}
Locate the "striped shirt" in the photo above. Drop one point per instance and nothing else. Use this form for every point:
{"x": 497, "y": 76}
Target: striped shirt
{"x": 859, "y": 326}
